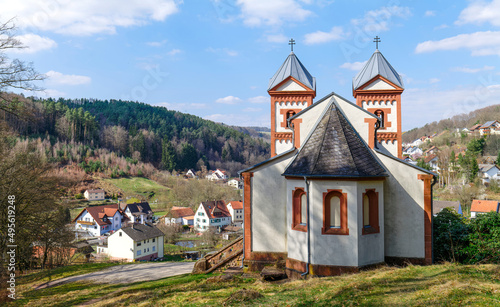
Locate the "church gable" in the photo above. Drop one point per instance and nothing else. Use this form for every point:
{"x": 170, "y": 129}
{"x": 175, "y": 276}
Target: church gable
{"x": 291, "y": 85}
{"x": 378, "y": 84}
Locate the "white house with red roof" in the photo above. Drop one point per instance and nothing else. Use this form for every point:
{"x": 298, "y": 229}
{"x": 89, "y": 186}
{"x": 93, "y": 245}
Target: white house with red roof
{"x": 94, "y": 194}
{"x": 98, "y": 220}
{"x": 235, "y": 208}
{"x": 217, "y": 175}
{"x": 483, "y": 206}
{"x": 212, "y": 214}
{"x": 180, "y": 215}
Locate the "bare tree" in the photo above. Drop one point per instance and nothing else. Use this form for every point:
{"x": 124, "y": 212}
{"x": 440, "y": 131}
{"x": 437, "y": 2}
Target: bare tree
{"x": 14, "y": 74}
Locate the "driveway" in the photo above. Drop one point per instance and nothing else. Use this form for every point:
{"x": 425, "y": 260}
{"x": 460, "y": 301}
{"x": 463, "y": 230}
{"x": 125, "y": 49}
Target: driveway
{"x": 129, "y": 273}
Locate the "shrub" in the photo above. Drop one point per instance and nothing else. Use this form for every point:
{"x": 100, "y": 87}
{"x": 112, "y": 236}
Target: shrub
{"x": 450, "y": 236}
{"x": 484, "y": 238}
{"x": 79, "y": 196}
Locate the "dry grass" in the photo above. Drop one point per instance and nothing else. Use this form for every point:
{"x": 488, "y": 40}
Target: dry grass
{"x": 437, "y": 285}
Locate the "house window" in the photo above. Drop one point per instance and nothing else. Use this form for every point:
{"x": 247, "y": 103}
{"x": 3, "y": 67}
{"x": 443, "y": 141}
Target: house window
{"x": 335, "y": 213}
{"x": 288, "y": 115}
{"x": 370, "y": 212}
{"x": 138, "y": 243}
{"x": 139, "y": 252}
{"x": 144, "y": 250}
{"x": 154, "y": 240}
{"x": 154, "y": 247}
{"x": 299, "y": 210}
{"x": 120, "y": 233}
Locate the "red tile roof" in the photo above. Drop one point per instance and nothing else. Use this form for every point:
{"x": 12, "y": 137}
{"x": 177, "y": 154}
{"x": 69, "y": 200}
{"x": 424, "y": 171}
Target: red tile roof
{"x": 237, "y": 205}
{"x": 178, "y": 212}
{"x": 98, "y": 213}
{"x": 484, "y": 205}
{"x": 429, "y": 158}
{"x": 215, "y": 209}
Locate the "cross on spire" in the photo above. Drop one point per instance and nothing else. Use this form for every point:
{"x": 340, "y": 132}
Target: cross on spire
{"x": 376, "y": 41}
{"x": 291, "y": 43}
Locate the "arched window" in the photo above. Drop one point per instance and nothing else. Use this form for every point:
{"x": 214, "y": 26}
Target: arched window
{"x": 380, "y": 115}
{"x": 288, "y": 115}
{"x": 335, "y": 213}
{"x": 370, "y": 212}
{"x": 299, "y": 210}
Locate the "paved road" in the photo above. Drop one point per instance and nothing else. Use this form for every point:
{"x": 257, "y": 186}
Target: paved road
{"x": 129, "y": 273}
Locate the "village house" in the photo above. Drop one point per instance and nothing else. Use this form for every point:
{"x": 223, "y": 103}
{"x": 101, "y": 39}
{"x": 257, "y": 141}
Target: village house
{"x": 439, "y": 205}
{"x": 431, "y": 151}
{"x": 191, "y": 174}
{"x": 135, "y": 242}
{"x": 490, "y": 127}
{"x": 212, "y": 214}
{"x": 235, "y": 183}
{"x": 336, "y": 196}
{"x": 488, "y": 172}
{"x": 483, "y": 206}
{"x": 180, "y": 215}
{"x": 94, "y": 195}
{"x": 98, "y": 220}
{"x": 217, "y": 175}
{"x": 138, "y": 212}
{"x": 236, "y": 210}
{"x": 432, "y": 161}
{"x": 475, "y": 129}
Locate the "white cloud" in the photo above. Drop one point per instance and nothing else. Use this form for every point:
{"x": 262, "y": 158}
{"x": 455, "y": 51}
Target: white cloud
{"x": 430, "y": 13}
{"x": 34, "y": 43}
{"x": 258, "y": 99}
{"x": 480, "y": 43}
{"x": 434, "y": 80}
{"x": 376, "y": 21}
{"x": 228, "y": 52}
{"x": 55, "y": 77}
{"x": 87, "y": 17}
{"x": 252, "y": 110}
{"x": 443, "y": 26}
{"x": 229, "y": 100}
{"x": 479, "y": 12}
{"x": 173, "y": 52}
{"x": 156, "y": 44}
{"x": 319, "y": 37}
{"x": 472, "y": 70}
{"x": 271, "y": 13}
{"x": 446, "y": 103}
{"x": 353, "y": 66}
{"x": 276, "y": 38}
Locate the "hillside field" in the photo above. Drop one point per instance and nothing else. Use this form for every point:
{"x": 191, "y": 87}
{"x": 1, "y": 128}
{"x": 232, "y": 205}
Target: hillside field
{"x": 436, "y": 285}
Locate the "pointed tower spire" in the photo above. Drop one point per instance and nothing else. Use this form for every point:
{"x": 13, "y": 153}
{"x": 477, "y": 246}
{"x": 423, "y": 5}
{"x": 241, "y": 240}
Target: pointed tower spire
{"x": 292, "y": 89}
{"x": 377, "y": 89}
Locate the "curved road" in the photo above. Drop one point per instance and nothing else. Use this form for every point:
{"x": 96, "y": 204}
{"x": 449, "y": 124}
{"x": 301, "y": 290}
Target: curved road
{"x": 129, "y": 273}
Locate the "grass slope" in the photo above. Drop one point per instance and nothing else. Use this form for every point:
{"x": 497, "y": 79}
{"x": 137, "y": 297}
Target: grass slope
{"x": 437, "y": 285}
{"x": 139, "y": 186}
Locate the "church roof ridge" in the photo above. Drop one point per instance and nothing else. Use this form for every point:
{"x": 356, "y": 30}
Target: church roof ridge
{"x": 377, "y": 65}
{"x": 292, "y": 67}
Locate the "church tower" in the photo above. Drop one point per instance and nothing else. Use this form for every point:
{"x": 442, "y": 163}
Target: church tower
{"x": 292, "y": 89}
{"x": 377, "y": 89}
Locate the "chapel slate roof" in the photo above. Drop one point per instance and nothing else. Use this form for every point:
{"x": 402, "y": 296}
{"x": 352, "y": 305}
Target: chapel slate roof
{"x": 377, "y": 65}
{"x": 140, "y": 232}
{"x": 334, "y": 149}
{"x": 292, "y": 67}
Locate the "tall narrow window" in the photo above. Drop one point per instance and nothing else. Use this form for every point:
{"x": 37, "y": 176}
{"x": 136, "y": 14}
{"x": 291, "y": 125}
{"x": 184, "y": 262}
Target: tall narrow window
{"x": 299, "y": 210}
{"x": 380, "y": 115}
{"x": 335, "y": 213}
{"x": 370, "y": 212}
{"x": 288, "y": 115}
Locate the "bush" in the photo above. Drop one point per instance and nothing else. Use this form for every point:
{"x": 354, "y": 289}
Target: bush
{"x": 450, "y": 236}
{"x": 484, "y": 239}
{"x": 79, "y": 196}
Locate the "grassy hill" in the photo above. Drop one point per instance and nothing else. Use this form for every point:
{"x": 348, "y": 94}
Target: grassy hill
{"x": 437, "y": 285}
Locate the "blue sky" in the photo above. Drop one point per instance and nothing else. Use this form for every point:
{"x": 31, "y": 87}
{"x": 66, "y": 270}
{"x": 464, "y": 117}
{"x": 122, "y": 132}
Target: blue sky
{"x": 214, "y": 58}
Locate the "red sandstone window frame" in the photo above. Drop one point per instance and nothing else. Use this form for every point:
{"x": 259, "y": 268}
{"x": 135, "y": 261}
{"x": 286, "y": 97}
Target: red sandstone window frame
{"x": 373, "y": 226}
{"x": 297, "y": 209}
{"x": 326, "y": 229}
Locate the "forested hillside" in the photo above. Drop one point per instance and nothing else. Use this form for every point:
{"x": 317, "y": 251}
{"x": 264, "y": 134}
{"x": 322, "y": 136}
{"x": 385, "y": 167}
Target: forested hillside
{"x": 479, "y": 116}
{"x": 75, "y": 130}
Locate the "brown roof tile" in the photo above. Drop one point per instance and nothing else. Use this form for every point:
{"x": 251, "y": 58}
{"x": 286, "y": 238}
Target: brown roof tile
{"x": 177, "y": 212}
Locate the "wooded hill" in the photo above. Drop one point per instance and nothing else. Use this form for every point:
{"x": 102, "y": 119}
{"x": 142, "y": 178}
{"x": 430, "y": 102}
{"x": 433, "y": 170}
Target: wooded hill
{"x": 479, "y": 116}
{"x": 168, "y": 140}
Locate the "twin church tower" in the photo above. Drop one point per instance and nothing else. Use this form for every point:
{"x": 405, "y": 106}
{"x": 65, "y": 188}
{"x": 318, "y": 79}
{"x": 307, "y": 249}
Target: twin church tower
{"x": 377, "y": 89}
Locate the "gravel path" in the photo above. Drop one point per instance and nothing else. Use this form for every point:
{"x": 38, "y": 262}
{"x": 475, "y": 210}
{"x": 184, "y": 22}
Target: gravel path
{"x": 130, "y": 273}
